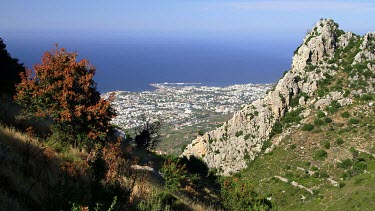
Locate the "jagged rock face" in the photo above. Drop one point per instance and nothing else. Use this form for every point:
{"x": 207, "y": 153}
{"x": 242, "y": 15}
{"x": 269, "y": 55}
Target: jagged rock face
{"x": 229, "y": 147}
{"x": 319, "y": 42}
{"x": 367, "y": 52}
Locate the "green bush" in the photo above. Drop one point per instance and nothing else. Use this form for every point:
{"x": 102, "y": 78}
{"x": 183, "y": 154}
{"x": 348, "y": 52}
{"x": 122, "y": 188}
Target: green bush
{"x": 173, "y": 173}
{"x": 359, "y": 167}
{"x": 326, "y": 144}
{"x": 323, "y": 174}
{"x": 353, "y": 121}
{"x": 294, "y": 102}
{"x": 367, "y": 97}
{"x": 320, "y": 93}
{"x": 320, "y": 154}
{"x": 276, "y": 129}
{"x": 320, "y": 114}
{"x": 341, "y": 184}
{"x": 307, "y": 127}
{"x": 333, "y": 107}
{"x": 345, "y": 164}
{"x": 319, "y": 122}
{"x": 346, "y": 93}
{"x": 239, "y": 133}
{"x": 194, "y": 165}
{"x": 183, "y": 147}
{"x": 328, "y": 120}
{"x": 238, "y": 194}
{"x": 292, "y": 116}
{"x": 266, "y": 144}
{"x": 345, "y": 114}
{"x": 339, "y": 141}
{"x": 314, "y": 168}
{"x": 246, "y": 156}
{"x": 201, "y": 132}
{"x": 354, "y": 152}
{"x": 161, "y": 201}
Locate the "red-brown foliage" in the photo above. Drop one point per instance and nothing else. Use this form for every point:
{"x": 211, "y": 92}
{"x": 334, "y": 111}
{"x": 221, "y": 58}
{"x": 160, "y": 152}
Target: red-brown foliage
{"x": 62, "y": 89}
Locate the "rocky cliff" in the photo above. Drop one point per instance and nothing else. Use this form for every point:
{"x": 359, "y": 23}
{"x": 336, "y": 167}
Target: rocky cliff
{"x": 325, "y": 52}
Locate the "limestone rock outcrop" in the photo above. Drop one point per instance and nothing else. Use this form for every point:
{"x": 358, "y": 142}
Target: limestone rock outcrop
{"x": 229, "y": 147}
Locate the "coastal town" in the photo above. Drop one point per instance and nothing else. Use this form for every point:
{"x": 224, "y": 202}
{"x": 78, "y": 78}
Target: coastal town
{"x": 182, "y": 104}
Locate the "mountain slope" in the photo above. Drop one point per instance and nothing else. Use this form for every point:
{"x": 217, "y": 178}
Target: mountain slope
{"x": 331, "y": 69}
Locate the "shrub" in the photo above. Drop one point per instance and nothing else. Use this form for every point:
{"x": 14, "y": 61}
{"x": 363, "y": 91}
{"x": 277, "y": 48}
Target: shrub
{"x": 183, "y": 147}
{"x": 266, "y": 144}
{"x": 320, "y": 93}
{"x": 345, "y": 164}
{"x": 367, "y": 97}
{"x": 201, "y": 132}
{"x": 195, "y": 165}
{"x": 353, "y": 121}
{"x": 346, "y": 93}
{"x": 359, "y": 167}
{"x": 294, "y": 102}
{"x": 319, "y": 122}
{"x": 147, "y": 134}
{"x": 341, "y": 184}
{"x": 314, "y": 168}
{"x": 292, "y": 116}
{"x": 307, "y": 127}
{"x": 345, "y": 114}
{"x": 320, "y": 114}
{"x": 239, "y": 133}
{"x": 173, "y": 173}
{"x": 237, "y": 194}
{"x": 276, "y": 129}
{"x": 333, "y": 107}
{"x": 320, "y": 155}
{"x": 326, "y": 144}
{"x": 323, "y": 174}
{"x": 339, "y": 141}
{"x": 328, "y": 120}
{"x": 160, "y": 201}
{"x": 246, "y": 156}
{"x": 354, "y": 152}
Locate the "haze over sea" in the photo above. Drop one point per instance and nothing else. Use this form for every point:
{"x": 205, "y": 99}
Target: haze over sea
{"x": 131, "y": 63}
{"x": 135, "y": 43}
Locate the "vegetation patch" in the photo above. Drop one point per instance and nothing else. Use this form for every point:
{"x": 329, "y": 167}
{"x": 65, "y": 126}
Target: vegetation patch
{"x": 320, "y": 154}
{"x": 307, "y": 127}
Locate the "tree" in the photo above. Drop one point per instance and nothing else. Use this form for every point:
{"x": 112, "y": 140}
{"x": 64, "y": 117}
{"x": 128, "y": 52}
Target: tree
{"x": 62, "y": 89}
{"x": 10, "y": 70}
{"x": 147, "y": 134}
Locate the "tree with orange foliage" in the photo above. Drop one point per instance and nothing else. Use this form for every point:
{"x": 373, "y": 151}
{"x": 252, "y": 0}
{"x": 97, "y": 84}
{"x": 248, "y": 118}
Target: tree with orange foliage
{"x": 62, "y": 89}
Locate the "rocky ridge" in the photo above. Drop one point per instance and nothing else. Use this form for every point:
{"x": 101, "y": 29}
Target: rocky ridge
{"x": 229, "y": 147}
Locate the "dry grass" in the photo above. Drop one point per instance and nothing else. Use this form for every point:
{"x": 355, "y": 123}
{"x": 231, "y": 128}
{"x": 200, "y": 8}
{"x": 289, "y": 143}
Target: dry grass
{"x": 28, "y": 169}
{"x": 29, "y": 186}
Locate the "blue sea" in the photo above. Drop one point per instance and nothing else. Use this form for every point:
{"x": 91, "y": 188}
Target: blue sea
{"x": 131, "y": 63}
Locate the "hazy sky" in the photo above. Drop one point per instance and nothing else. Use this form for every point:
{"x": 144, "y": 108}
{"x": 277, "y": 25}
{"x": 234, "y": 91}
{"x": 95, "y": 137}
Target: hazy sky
{"x": 201, "y": 18}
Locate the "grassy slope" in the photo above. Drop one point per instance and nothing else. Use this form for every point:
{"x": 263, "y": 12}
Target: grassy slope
{"x": 300, "y": 149}
{"x": 20, "y": 190}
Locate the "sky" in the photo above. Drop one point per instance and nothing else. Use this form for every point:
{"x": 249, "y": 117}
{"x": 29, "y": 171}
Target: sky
{"x": 139, "y": 42}
{"x": 179, "y": 18}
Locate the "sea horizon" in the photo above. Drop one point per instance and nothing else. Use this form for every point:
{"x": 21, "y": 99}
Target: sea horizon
{"x": 132, "y": 64}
